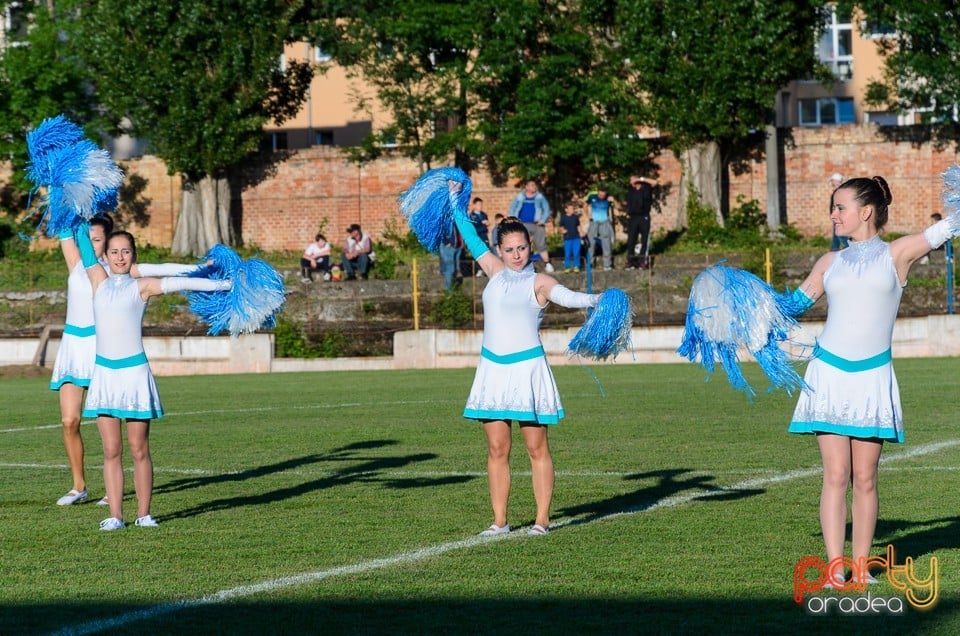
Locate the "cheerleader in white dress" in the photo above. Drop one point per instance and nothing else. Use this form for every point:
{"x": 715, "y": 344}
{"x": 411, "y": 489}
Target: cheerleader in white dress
{"x": 853, "y": 404}
{"x": 73, "y": 367}
{"x": 123, "y": 387}
{"x": 513, "y": 380}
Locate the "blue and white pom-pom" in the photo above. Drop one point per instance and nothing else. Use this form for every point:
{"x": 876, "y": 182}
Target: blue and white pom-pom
{"x": 254, "y": 301}
{"x": 52, "y": 134}
{"x": 731, "y": 309}
{"x": 607, "y": 331}
{"x": 429, "y": 205}
{"x": 951, "y": 190}
{"x": 81, "y": 180}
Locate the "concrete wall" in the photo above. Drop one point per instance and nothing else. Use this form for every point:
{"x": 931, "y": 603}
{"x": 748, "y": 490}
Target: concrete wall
{"x": 929, "y": 336}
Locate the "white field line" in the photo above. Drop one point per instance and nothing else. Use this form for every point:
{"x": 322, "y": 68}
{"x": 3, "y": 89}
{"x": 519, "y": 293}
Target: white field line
{"x": 295, "y": 580}
{"x": 261, "y": 409}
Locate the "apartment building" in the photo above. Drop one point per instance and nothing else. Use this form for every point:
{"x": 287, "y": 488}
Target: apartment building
{"x": 848, "y": 48}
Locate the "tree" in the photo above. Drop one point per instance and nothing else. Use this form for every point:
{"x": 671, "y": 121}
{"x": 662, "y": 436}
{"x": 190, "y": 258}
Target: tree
{"x": 38, "y": 79}
{"x": 709, "y": 73}
{"x": 197, "y": 81}
{"x": 531, "y": 88}
{"x": 417, "y": 56}
{"x": 920, "y": 61}
{"x": 560, "y": 98}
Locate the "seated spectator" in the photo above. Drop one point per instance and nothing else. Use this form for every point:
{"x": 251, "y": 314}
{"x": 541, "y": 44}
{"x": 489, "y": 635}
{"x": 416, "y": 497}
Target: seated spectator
{"x": 316, "y": 258}
{"x": 356, "y": 253}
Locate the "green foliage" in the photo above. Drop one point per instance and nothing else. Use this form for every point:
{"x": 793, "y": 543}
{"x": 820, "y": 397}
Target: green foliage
{"x": 197, "y": 80}
{"x": 290, "y": 341}
{"x": 27, "y": 270}
{"x": 920, "y": 52}
{"x": 702, "y": 226}
{"x": 39, "y": 78}
{"x": 564, "y": 109}
{"x": 706, "y": 76}
{"x": 454, "y": 309}
{"x": 745, "y": 228}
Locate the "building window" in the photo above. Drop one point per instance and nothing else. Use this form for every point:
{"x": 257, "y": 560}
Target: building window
{"x": 323, "y": 138}
{"x": 873, "y": 29}
{"x": 16, "y": 21}
{"x": 836, "y": 43}
{"x": 826, "y": 111}
{"x": 278, "y": 141}
{"x": 320, "y": 56}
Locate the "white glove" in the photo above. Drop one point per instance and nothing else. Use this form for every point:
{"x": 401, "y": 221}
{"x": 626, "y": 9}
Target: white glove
{"x": 159, "y": 270}
{"x": 569, "y": 298}
{"x": 942, "y": 231}
{"x": 182, "y": 283}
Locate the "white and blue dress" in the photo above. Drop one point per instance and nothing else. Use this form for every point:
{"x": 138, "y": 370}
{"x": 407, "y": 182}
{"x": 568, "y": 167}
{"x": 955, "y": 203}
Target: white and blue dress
{"x": 77, "y": 350}
{"x": 513, "y": 380}
{"x": 854, "y": 388}
{"x": 122, "y": 384}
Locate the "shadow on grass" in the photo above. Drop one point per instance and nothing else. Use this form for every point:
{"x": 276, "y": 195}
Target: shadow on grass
{"x": 354, "y": 468}
{"x": 917, "y": 538}
{"x": 503, "y": 617}
{"x": 668, "y": 484}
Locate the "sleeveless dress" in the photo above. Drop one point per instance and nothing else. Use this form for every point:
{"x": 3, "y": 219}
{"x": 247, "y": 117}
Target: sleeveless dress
{"x": 77, "y": 350}
{"x": 854, "y": 388}
{"x": 122, "y": 384}
{"x": 513, "y": 380}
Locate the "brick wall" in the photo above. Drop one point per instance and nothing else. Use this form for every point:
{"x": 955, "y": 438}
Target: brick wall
{"x": 318, "y": 187}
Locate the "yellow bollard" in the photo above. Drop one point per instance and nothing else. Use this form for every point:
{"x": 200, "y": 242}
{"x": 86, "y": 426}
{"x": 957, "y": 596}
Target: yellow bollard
{"x": 768, "y": 265}
{"x": 416, "y": 297}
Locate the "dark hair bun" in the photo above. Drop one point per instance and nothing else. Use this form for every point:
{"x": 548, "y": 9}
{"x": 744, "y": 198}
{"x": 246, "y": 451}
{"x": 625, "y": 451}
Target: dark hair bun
{"x": 884, "y": 188}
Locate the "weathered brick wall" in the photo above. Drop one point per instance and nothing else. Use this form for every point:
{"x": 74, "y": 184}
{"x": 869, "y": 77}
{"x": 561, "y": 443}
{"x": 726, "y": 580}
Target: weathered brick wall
{"x": 317, "y": 187}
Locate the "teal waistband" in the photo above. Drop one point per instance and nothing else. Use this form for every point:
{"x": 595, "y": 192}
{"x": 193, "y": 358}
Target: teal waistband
{"x": 511, "y": 358}
{"x": 80, "y": 332}
{"x": 852, "y": 366}
{"x": 122, "y": 363}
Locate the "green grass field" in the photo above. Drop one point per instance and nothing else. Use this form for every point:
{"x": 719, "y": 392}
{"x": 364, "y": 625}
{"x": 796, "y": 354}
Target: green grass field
{"x": 351, "y": 502}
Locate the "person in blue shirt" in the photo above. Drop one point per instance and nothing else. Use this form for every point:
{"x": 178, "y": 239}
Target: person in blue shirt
{"x": 600, "y": 214}
{"x": 570, "y": 222}
{"x": 531, "y": 207}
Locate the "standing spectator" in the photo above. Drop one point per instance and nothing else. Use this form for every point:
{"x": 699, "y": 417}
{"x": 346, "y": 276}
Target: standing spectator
{"x": 570, "y": 222}
{"x": 531, "y": 207}
{"x": 639, "y": 202}
{"x": 356, "y": 253}
{"x": 838, "y": 242}
{"x": 481, "y": 223}
{"x": 497, "y": 218}
{"x": 316, "y": 258}
{"x": 450, "y": 251}
{"x": 601, "y": 226}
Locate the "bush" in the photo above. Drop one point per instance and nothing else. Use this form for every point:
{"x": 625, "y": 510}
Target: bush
{"x": 290, "y": 342}
{"x": 454, "y": 309}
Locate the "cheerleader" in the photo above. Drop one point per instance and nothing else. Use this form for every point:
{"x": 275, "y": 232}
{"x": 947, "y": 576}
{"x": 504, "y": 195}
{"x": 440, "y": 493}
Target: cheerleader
{"x": 73, "y": 366}
{"x": 513, "y": 380}
{"x": 122, "y": 386}
{"x": 853, "y": 405}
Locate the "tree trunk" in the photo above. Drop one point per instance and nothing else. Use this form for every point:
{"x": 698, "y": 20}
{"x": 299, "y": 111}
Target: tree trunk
{"x": 701, "y": 172}
{"x": 204, "y": 216}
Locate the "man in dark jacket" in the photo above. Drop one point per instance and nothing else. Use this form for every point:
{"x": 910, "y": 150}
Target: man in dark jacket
{"x": 639, "y": 202}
